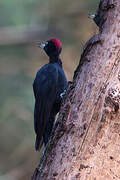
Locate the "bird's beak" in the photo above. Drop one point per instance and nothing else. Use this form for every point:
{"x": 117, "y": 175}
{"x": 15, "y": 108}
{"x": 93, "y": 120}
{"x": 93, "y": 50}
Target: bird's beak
{"x": 92, "y": 16}
{"x": 41, "y": 45}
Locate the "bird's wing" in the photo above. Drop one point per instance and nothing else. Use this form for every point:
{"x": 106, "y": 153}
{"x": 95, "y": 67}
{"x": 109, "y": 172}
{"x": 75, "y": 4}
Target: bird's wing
{"x": 44, "y": 87}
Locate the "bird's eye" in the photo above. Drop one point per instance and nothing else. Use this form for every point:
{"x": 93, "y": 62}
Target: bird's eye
{"x": 46, "y": 43}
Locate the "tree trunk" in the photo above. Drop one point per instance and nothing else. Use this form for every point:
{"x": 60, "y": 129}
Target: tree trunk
{"x": 86, "y": 144}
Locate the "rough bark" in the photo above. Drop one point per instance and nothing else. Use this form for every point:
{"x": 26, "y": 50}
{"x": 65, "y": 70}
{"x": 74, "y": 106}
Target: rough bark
{"x": 86, "y": 144}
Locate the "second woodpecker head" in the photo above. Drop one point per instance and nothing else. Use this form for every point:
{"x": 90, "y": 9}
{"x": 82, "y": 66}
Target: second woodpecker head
{"x": 52, "y": 47}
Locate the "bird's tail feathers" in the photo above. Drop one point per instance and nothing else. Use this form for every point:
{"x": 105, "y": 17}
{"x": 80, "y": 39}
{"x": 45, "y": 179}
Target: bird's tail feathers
{"x": 38, "y": 143}
{"x": 42, "y": 120}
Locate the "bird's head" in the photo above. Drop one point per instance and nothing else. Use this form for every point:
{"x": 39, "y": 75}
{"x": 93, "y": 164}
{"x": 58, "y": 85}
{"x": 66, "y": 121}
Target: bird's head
{"x": 52, "y": 47}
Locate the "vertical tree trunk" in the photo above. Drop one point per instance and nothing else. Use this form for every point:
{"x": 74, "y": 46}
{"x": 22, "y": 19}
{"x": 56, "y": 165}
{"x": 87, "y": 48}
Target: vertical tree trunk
{"x": 86, "y": 144}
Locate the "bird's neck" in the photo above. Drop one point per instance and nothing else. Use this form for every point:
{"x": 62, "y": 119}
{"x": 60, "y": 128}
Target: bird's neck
{"x": 55, "y": 60}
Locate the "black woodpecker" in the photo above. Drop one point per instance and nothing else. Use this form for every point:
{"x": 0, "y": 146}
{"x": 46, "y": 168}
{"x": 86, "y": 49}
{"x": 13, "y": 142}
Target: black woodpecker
{"x": 97, "y": 18}
{"x": 49, "y": 87}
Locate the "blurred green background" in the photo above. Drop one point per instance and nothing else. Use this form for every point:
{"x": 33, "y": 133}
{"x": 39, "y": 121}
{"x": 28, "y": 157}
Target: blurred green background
{"x": 21, "y": 23}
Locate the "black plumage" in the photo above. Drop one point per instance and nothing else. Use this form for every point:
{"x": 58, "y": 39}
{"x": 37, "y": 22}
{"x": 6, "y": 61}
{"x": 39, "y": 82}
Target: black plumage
{"x": 49, "y": 83}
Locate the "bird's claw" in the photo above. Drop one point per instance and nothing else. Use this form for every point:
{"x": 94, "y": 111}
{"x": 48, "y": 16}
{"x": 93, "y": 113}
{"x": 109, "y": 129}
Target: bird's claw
{"x": 63, "y": 94}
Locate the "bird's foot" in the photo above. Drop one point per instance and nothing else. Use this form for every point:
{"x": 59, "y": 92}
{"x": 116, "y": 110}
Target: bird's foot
{"x": 63, "y": 94}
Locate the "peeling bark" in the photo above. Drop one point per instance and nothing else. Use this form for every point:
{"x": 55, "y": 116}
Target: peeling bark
{"x": 86, "y": 142}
